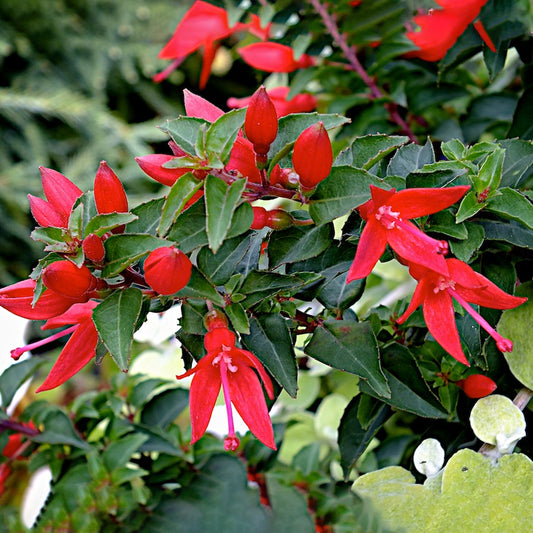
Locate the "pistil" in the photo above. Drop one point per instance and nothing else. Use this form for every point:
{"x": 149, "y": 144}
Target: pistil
{"x": 17, "y": 352}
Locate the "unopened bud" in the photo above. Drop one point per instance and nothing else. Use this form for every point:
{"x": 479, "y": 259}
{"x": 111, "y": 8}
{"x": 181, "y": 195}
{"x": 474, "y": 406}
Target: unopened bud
{"x": 477, "y": 386}
{"x": 109, "y": 194}
{"x": 93, "y": 248}
{"x": 215, "y": 319}
{"x": 167, "y": 270}
{"x": 279, "y": 219}
{"x": 260, "y": 218}
{"x": 69, "y": 280}
{"x": 312, "y": 155}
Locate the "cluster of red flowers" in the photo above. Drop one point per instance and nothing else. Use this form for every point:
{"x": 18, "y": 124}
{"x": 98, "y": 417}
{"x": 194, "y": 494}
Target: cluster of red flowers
{"x": 440, "y": 28}
{"x": 440, "y": 280}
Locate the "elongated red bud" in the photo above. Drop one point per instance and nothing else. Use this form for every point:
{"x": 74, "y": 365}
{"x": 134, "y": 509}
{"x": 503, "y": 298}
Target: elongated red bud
{"x": 93, "y": 248}
{"x": 312, "y": 155}
{"x": 217, "y": 338}
{"x": 167, "y": 270}
{"x": 109, "y": 193}
{"x": 65, "y": 278}
{"x": 260, "y": 217}
{"x": 477, "y": 386}
{"x": 152, "y": 164}
{"x": 215, "y": 319}
{"x": 261, "y": 122}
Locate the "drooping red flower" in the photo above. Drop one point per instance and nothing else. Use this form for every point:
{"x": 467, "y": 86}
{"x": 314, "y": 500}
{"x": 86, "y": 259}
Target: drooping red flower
{"x": 477, "y": 386}
{"x": 109, "y": 194}
{"x": 440, "y": 28}
{"x": 234, "y": 370}
{"x": 312, "y": 156}
{"x": 61, "y": 194}
{"x": 274, "y": 57}
{"x": 300, "y": 103}
{"x": 167, "y": 270}
{"x": 202, "y": 27}
{"x": 79, "y": 349}
{"x": 387, "y": 216}
{"x": 18, "y": 298}
{"x": 436, "y": 291}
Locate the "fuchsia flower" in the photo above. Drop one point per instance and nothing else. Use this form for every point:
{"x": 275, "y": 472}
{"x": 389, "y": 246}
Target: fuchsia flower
{"x": 274, "y": 57}
{"x": 79, "y": 350}
{"x": 387, "y": 216}
{"x": 300, "y": 103}
{"x": 234, "y": 370}
{"x": 435, "y": 292}
{"x": 167, "y": 270}
{"x": 61, "y": 194}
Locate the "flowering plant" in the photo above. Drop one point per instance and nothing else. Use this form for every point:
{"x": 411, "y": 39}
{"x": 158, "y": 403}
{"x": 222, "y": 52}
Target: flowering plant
{"x": 339, "y": 273}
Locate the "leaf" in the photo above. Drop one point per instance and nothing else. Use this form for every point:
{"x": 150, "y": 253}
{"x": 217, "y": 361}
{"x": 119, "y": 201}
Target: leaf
{"x": 444, "y": 222}
{"x": 409, "y": 158}
{"x": 521, "y": 126}
{"x": 119, "y": 452}
{"x": 221, "y": 201}
{"x": 270, "y": 341}
{"x": 518, "y": 162}
{"x": 200, "y": 287}
{"x": 343, "y": 190}
{"x": 221, "y": 136}
{"x": 353, "y": 438}
{"x": 465, "y": 249}
{"x": 180, "y": 193}
{"x": 467, "y": 477}
{"x": 510, "y": 204}
{"x": 163, "y": 408}
{"x": 58, "y": 429}
{"x": 239, "y": 319}
{"x": 14, "y": 376}
{"x": 351, "y": 347}
{"x": 115, "y": 319}
{"x": 298, "y": 243}
{"x": 490, "y": 173}
{"x": 217, "y": 499}
{"x": 124, "y": 249}
{"x": 468, "y": 207}
{"x": 511, "y": 232}
{"x": 101, "y": 224}
{"x": 184, "y": 131}
{"x": 148, "y": 217}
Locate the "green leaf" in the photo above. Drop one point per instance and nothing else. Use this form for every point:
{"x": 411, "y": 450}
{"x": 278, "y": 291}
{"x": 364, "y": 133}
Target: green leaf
{"x": 453, "y": 149}
{"x": 101, "y": 224}
{"x": 353, "y": 438}
{"x": 221, "y": 201}
{"x": 351, "y": 347}
{"x": 518, "y": 162}
{"x": 164, "y": 407}
{"x": 510, "y": 204}
{"x": 184, "y": 131}
{"x": 468, "y": 207}
{"x": 409, "y": 158}
{"x": 218, "y": 498}
{"x": 298, "y": 243}
{"x": 119, "y": 452}
{"x": 238, "y": 317}
{"x": 522, "y": 126}
{"x": 490, "y": 173}
{"x": 50, "y": 235}
{"x": 125, "y": 249}
{"x": 444, "y": 222}
{"x": 464, "y": 249}
{"x": 511, "y": 232}
{"x": 115, "y": 319}
{"x": 180, "y": 193}
{"x": 271, "y": 342}
{"x": 343, "y": 190}
{"x": 200, "y": 287}
{"x": 221, "y": 136}
{"x": 14, "y": 376}
{"x": 148, "y": 217}
{"x": 58, "y": 429}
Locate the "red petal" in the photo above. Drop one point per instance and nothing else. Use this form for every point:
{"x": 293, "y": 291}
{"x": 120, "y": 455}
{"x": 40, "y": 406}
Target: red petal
{"x": 484, "y": 35}
{"x": 251, "y": 360}
{"x": 440, "y": 320}
{"x": 489, "y": 295}
{"x": 242, "y": 159}
{"x": 413, "y": 203}
{"x": 109, "y": 194}
{"x": 196, "y": 106}
{"x": 420, "y": 294}
{"x": 248, "y": 398}
{"x": 78, "y": 351}
{"x": 210, "y": 51}
{"x": 152, "y": 165}
{"x": 380, "y": 196}
{"x": 75, "y": 315}
{"x": 273, "y": 57}
{"x": 371, "y": 246}
{"x": 465, "y": 275}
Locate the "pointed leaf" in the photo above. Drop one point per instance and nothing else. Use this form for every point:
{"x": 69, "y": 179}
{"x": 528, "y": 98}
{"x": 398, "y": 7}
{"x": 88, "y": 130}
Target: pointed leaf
{"x": 184, "y": 131}
{"x": 14, "y": 376}
{"x": 101, "y": 224}
{"x": 119, "y": 452}
{"x": 222, "y": 134}
{"x": 200, "y": 287}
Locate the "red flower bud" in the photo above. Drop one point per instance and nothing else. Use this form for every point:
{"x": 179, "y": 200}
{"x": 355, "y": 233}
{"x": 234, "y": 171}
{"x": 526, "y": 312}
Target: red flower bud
{"x": 312, "y": 156}
{"x": 217, "y": 338}
{"x": 65, "y": 278}
{"x": 93, "y": 248}
{"x": 167, "y": 270}
{"x": 261, "y": 121}
{"x": 477, "y": 386}
{"x": 260, "y": 218}
{"x": 109, "y": 193}
{"x": 215, "y": 319}
{"x": 152, "y": 165}
{"x": 279, "y": 219}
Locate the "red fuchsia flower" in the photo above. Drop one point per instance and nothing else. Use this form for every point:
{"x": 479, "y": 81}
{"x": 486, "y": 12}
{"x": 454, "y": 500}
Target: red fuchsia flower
{"x": 387, "y": 216}
{"x": 18, "y": 298}
{"x": 300, "y": 103}
{"x": 242, "y": 160}
{"x": 167, "y": 270}
{"x": 93, "y": 248}
{"x": 261, "y": 123}
{"x": 202, "y": 26}
{"x": 234, "y": 370}
{"x": 70, "y": 281}
{"x": 109, "y": 194}
{"x": 436, "y": 291}
{"x": 79, "y": 349}
{"x": 61, "y": 194}
{"x": 274, "y": 57}
{"x": 312, "y": 156}
{"x": 440, "y": 28}
{"x": 477, "y": 385}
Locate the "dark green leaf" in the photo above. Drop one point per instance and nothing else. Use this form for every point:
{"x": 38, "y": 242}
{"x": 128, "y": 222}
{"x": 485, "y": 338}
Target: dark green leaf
{"x": 50, "y": 236}
{"x": 238, "y": 317}
{"x": 119, "y": 452}
{"x": 200, "y": 287}
{"x": 409, "y": 158}
{"x": 221, "y": 136}
{"x": 115, "y": 319}
{"x": 511, "y": 232}
{"x": 271, "y": 342}
{"x": 101, "y": 224}
{"x": 510, "y": 204}
{"x": 58, "y": 429}
{"x": 14, "y": 376}
{"x": 444, "y": 222}
{"x": 149, "y": 217}
{"x": 352, "y": 347}
{"x": 163, "y": 408}
{"x": 518, "y": 163}
{"x": 468, "y": 207}
{"x": 465, "y": 249}
{"x": 184, "y": 131}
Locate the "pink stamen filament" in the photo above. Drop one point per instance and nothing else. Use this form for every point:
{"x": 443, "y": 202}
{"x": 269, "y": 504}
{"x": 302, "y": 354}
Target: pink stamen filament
{"x": 504, "y": 345}
{"x": 231, "y": 442}
{"x": 17, "y": 352}
{"x": 167, "y": 71}
{"x": 391, "y": 219}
